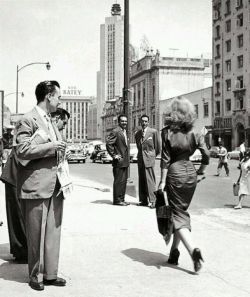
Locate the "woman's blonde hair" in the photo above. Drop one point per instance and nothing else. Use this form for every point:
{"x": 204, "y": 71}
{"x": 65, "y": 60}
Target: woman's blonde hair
{"x": 180, "y": 114}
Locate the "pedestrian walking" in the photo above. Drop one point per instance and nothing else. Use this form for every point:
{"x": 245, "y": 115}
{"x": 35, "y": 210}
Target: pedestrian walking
{"x": 38, "y": 142}
{"x": 117, "y": 147}
{"x": 223, "y": 160}
{"x": 178, "y": 174}
{"x": 15, "y": 220}
{"x": 244, "y": 179}
{"x": 148, "y": 145}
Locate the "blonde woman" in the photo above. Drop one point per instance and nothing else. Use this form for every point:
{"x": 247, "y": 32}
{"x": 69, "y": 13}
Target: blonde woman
{"x": 178, "y": 174}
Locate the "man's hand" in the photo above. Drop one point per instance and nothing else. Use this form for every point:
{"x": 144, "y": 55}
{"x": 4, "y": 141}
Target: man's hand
{"x": 60, "y": 146}
{"x": 117, "y": 157}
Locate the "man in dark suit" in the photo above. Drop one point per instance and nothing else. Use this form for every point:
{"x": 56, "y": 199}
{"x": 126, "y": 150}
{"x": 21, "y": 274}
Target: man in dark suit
{"x": 148, "y": 145}
{"x": 16, "y": 228}
{"x": 38, "y": 144}
{"x": 117, "y": 147}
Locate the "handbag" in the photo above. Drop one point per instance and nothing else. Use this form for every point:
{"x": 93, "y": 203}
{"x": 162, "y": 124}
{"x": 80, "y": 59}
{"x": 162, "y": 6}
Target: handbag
{"x": 164, "y": 216}
{"x": 236, "y": 187}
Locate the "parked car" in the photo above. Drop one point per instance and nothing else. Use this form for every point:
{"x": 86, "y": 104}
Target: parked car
{"x": 133, "y": 152}
{"x": 235, "y": 154}
{"x": 214, "y": 150}
{"x": 100, "y": 154}
{"x": 77, "y": 155}
{"x": 196, "y": 157}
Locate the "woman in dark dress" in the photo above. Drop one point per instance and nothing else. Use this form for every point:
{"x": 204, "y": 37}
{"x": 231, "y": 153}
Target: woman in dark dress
{"x": 178, "y": 174}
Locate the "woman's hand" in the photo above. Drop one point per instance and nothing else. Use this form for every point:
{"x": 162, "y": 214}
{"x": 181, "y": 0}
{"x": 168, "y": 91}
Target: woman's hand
{"x": 161, "y": 185}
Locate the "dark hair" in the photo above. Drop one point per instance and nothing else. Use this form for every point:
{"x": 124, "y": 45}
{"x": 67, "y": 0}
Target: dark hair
{"x": 122, "y": 116}
{"x": 144, "y": 116}
{"x": 44, "y": 88}
{"x": 62, "y": 113}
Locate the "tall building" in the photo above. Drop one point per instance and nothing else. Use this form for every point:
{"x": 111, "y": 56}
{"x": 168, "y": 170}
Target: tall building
{"x": 78, "y": 106}
{"x": 231, "y": 72}
{"x": 110, "y": 76}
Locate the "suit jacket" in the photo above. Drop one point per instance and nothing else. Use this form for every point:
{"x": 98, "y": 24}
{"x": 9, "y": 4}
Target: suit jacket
{"x": 116, "y": 145}
{"x": 38, "y": 178}
{"x": 148, "y": 148}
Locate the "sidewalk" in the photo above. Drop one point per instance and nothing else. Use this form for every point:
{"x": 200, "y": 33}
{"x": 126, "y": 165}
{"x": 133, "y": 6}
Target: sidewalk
{"x": 111, "y": 251}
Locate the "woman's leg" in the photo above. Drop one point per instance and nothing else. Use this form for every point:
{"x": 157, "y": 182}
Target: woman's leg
{"x": 239, "y": 205}
{"x": 185, "y": 236}
{"x": 176, "y": 242}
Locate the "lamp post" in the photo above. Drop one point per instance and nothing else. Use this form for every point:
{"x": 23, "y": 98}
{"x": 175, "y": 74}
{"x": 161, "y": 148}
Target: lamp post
{"x": 19, "y": 69}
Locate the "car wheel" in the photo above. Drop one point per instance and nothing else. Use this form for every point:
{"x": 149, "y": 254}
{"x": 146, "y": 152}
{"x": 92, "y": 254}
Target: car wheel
{"x": 84, "y": 161}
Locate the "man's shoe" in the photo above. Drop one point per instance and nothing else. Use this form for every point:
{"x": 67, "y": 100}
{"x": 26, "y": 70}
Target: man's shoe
{"x": 36, "y": 286}
{"x": 126, "y": 202}
{"x": 59, "y": 282}
{"x": 151, "y": 205}
{"x": 121, "y": 203}
{"x": 142, "y": 204}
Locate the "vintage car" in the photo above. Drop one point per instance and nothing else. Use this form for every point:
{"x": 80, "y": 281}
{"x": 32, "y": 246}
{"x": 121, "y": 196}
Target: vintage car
{"x": 100, "y": 154}
{"x": 196, "y": 157}
{"x": 235, "y": 154}
{"x": 214, "y": 150}
{"x": 77, "y": 155}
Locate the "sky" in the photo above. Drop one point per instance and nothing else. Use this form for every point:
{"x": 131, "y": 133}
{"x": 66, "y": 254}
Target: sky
{"x": 67, "y": 35}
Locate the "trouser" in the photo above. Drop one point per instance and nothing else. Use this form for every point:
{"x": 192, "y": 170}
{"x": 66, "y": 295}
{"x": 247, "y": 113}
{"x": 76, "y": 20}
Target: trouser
{"x": 147, "y": 184}
{"x": 220, "y": 165}
{"x": 43, "y": 218}
{"x": 15, "y": 220}
{"x": 120, "y": 183}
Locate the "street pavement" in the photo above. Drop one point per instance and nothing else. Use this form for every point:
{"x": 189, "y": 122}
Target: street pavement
{"x": 111, "y": 251}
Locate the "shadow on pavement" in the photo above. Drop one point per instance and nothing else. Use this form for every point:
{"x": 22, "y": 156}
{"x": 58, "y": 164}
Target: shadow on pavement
{"x": 233, "y": 205}
{"x": 102, "y": 202}
{"x": 10, "y": 270}
{"x": 151, "y": 259}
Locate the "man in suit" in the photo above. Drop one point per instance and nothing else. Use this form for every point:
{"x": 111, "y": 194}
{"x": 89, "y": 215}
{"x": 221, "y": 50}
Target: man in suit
{"x": 117, "y": 147}
{"x": 16, "y": 228}
{"x": 38, "y": 145}
{"x": 148, "y": 145}
{"x": 61, "y": 117}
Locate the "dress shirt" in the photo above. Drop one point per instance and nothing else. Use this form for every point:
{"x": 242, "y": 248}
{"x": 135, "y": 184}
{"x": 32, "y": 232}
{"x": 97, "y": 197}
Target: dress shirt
{"x": 47, "y": 120}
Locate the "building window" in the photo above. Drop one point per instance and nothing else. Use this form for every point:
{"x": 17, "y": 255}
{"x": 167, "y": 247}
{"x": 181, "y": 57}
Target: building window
{"x": 217, "y": 69}
{"x": 240, "y": 103}
{"x": 228, "y": 104}
{"x": 239, "y": 3}
{"x": 228, "y": 84}
{"x": 153, "y": 93}
{"x": 240, "y": 40}
{"x": 217, "y": 29}
{"x": 239, "y": 20}
{"x": 144, "y": 94}
{"x": 228, "y": 7}
{"x": 205, "y": 108}
{"x": 228, "y": 45}
{"x": 239, "y": 82}
{"x": 217, "y": 51}
{"x": 228, "y": 65}
{"x": 240, "y": 61}
{"x": 228, "y": 26}
{"x": 154, "y": 120}
{"x": 217, "y": 106}
{"x": 139, "y": 95}
{"x": 217, "y": 85}
{"x": 196, "y": 107}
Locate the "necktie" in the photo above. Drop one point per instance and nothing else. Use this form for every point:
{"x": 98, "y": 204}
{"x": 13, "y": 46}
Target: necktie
{"x": 125, "y": 135}
{"x": 50, "y": 127}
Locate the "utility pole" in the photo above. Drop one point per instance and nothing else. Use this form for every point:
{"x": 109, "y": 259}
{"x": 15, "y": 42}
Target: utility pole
{"x": 130, "y": 189}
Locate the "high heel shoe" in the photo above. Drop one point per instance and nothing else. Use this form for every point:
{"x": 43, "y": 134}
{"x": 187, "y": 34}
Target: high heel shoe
{"x": 197, "y": 258}
{"x": 173, "y": 257}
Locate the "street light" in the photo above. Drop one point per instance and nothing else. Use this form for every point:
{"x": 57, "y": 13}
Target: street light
{"x": 22, "y": 94}
{"x": 19, "y": 69}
